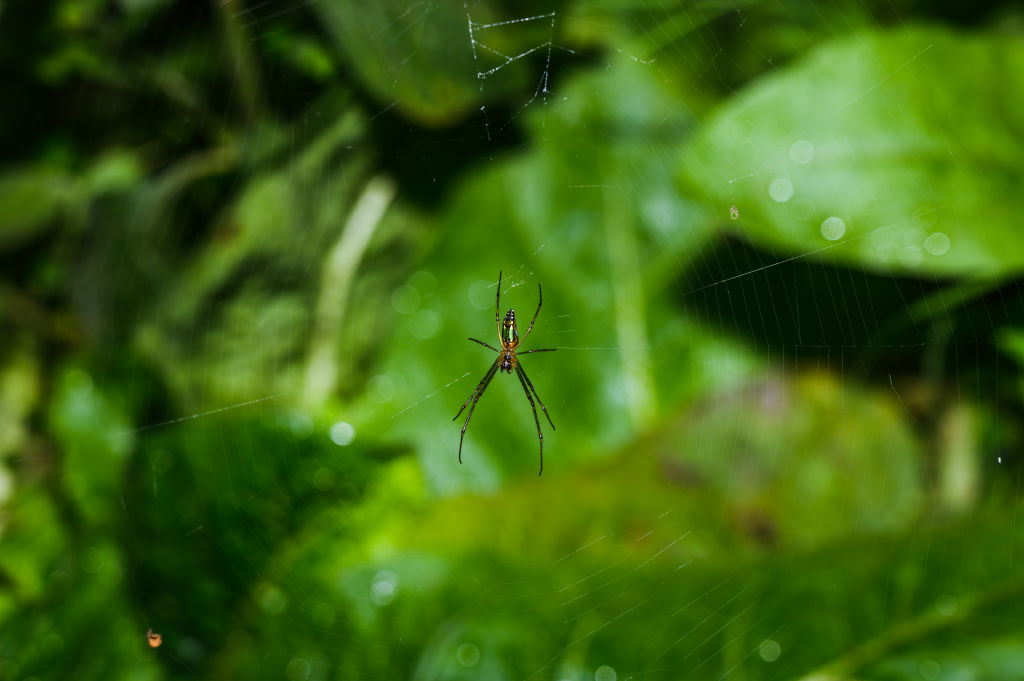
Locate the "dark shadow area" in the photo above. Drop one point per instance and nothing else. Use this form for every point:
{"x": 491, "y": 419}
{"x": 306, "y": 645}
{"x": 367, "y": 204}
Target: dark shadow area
{"x": 887, "y": 322}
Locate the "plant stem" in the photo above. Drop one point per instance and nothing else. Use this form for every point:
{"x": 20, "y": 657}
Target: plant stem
{"x": 630, "y": 323}
{"x": 339, "y": 271}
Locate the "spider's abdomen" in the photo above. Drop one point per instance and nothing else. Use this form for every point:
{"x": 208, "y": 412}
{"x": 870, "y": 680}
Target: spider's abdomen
{"x": 509, "y": 334}
{"x": 506, "y": 363}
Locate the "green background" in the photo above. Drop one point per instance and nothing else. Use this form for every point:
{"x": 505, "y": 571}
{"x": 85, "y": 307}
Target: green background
{"x": 243, "y": 245}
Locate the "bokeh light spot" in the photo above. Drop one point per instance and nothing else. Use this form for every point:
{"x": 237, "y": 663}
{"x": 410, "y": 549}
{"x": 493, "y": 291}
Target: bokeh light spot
{"x": 937, "y": 243}
{"x": 801, "y": 152}
{"x": 381, "y": 388}
{"x": 781, "y": 190}
{"x": 769, "y": 650}
{"x": 78, "y": 381}
{"x": 405, "y": 299}
{"x": 301, "y": 425}
{"x": 946, "y": 605}
{"x": 481, "y": 294}
{"x": 467, "y": 654}
{"x": 272, "y": 600}
{"x": 833, "y": 228}
{"x": 384, "y": 587}
{"x": 342, "y": 433}
{"x": 324, "y": 479}
{"x": 423, "y": 281}
{"x": 929, "y": 670}
{"x": 297, "y": 669}
{"x": 426, "y": 324}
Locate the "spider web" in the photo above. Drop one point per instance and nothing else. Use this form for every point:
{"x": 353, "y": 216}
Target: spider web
{"x": 478, "y": 41}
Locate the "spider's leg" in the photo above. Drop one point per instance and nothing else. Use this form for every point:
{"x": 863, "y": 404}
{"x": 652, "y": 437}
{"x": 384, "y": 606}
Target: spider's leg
{"x": 497, "y": 306}
{"x": 540, "y": 299}
{"x": 479, "y": 388}
{"x": 522, "y": 371}
{"x": 485, "y": 344}
{"x": 526, "y": 352}
{"x": 475, "y": 396}
{"x": 540, "y": 435}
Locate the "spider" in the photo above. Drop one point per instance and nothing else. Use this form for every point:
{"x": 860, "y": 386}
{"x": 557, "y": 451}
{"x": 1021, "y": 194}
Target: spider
{"x": 508, "y": 362}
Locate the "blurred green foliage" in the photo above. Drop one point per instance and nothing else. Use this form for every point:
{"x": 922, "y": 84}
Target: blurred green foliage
{"x": 243, "y": 244}
{"x": 884, "y": 156}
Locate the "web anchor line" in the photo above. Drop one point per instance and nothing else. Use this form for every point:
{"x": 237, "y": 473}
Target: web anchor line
{"x": 191, "y": 417}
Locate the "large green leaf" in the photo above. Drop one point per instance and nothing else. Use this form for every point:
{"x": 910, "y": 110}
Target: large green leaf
{"x": 580, "y": 213}
{"x": 780, "y": 449}
{"x": 893, "y": 150}
{"x": 560, "y": 576}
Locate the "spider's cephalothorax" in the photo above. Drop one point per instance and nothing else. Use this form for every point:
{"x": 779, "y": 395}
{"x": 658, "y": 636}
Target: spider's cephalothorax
{"x": 508, "y": 362}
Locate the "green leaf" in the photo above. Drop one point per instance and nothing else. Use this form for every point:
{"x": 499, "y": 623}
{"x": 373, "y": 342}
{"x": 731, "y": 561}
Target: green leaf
{"x": 20, "y": 391}
{"x": 248, "y": 294}
{"x": 893, "y": 150}
{"x": 31, "y": 197}
{"x": 115, "y": 171}
{"x": 800, "y": 445}
{"x": 1011, "y": 341}
{"x": 95, "y": 440}
{"x": 33, "y": 542}
{"x": 541, "y": 580}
